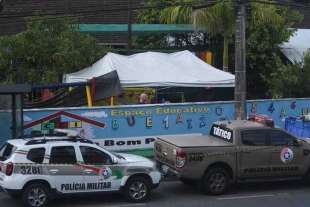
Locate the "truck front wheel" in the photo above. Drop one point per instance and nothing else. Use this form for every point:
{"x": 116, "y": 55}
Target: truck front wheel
{"x": 215, "y": 181}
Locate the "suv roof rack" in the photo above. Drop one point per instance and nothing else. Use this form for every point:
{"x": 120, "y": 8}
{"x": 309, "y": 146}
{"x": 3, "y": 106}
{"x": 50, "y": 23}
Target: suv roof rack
{"x": 262, "y": 118}
{"x": 70, "y": 134}
{"x": 37, "y": 133}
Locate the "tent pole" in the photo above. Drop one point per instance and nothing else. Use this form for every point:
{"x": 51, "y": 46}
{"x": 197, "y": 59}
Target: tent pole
{"x": 88, "y": 95}
{"x": 93, "y": 89}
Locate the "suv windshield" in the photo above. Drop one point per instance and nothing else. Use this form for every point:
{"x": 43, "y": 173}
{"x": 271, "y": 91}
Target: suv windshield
{"x": 6, "y": 151}
{"x": 115, "y": 154}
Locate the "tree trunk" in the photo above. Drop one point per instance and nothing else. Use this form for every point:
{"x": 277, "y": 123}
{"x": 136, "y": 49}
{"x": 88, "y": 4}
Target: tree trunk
{"x": 225, "y": 54}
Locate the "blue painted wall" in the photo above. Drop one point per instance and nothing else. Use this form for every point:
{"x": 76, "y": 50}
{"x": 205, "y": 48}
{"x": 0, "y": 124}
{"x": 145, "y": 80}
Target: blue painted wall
{"x": 116, "y": 129}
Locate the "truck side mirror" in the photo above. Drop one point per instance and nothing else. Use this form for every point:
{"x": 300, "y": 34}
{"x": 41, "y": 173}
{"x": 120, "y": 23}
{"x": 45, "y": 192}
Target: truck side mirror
{"x": 297, "y": 142}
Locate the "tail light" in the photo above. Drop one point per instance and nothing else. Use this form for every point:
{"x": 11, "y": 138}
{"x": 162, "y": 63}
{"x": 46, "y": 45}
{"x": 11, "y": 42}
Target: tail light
{"x": 9, "y": 169}
{"x": 181, "y": 159}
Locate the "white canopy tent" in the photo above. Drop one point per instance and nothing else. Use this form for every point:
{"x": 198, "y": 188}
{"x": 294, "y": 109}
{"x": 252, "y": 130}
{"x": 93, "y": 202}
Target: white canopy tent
{"x": 153, "y": 69}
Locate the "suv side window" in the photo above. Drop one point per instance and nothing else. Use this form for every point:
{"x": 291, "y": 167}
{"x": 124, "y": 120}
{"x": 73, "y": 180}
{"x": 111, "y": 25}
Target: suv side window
{"x": 280, "y": 138}
{"x": 63, "y": 155}
{"x": 36, "y": 155}
{"x": 253, "y": 137}
{"x": 6, "y": 151}
{"x": 94, "y": 156}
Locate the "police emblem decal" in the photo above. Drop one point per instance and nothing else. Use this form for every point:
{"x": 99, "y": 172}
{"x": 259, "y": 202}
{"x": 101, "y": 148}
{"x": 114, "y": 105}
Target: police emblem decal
{"x": 286, "y": 155}
{"x": 105, "y": 173}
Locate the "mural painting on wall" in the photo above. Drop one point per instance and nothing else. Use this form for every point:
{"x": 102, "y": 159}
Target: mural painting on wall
{"x": 65, "y": 120}
{"x": 136, "y": 127}
{"x": 126, "y": 128}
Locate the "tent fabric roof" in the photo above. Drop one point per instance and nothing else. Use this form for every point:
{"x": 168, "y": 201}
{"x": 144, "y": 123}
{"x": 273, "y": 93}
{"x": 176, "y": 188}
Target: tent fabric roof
{"x": 296, "y": 47}
{"x": 151, "y": 69}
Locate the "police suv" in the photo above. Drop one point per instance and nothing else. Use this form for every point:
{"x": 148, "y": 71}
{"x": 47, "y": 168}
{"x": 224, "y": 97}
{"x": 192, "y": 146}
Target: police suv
{"x": 38, "y": 168}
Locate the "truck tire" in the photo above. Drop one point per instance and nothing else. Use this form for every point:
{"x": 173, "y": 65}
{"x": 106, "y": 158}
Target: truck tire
{"x": 36, "y": 194}
{"x": 215, "y": 181}
{"x": 188, "y": 182}
{"x": 137, "y": 189}
{"x": 306, "y": 178}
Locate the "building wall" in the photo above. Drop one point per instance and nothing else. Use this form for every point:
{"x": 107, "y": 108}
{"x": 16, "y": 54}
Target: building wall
{"x": 134, "y": 128}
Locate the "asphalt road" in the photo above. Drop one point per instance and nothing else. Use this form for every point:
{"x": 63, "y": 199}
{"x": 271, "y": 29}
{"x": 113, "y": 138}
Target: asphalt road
{"x": 174, "y": 193}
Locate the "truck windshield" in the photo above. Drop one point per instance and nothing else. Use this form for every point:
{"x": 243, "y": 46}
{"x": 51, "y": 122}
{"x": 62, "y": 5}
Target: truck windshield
{"x": 6, "y": 151}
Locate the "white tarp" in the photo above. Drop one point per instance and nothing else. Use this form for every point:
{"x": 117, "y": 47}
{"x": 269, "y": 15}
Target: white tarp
{"x": 150, "y": 69}
{"x": 297, "y": 46}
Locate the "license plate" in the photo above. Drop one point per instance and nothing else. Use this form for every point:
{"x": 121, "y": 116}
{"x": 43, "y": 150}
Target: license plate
{"x": 165, "y": 168}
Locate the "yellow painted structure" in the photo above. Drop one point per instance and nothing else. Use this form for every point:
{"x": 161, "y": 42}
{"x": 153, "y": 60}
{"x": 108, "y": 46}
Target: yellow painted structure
{"x": 209, "y": 57}
{"x": 89, "y": 101}
{"x": 134, "y": 92}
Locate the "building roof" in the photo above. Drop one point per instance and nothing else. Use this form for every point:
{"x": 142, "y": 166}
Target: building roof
{"x": 305, "y": 23}
{"x": 12, "y": 18}
{"x": 296, "y": 47}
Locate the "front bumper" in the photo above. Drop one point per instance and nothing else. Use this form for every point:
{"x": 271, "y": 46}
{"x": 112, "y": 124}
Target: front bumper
{"x": 170, "y": 172}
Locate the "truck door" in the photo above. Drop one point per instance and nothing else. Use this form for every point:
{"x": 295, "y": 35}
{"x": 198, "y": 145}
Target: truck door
{"x": 284, "y": 160}
{"x": 254, "y": 161}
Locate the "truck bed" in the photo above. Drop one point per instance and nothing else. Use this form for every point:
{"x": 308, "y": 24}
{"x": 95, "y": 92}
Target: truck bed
{"x": 195, "y": 141}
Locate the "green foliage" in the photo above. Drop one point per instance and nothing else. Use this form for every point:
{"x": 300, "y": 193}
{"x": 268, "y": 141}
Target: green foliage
{"x": 49, "y": 48}
{"x": 290, "y": 81}
{"x": 219, "y": 19}
{"x": 150, "y": 16}
{"x": 263, "y": 46}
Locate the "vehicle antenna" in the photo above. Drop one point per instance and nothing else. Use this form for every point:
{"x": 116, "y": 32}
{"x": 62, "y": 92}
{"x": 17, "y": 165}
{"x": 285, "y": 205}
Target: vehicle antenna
{"x": 228, "y": 120}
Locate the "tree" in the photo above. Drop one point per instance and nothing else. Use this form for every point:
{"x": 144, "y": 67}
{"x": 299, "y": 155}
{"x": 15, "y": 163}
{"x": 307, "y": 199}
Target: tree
{"x": 290, "y": 81}
{"x": 217, "y": 19}
{"x": 50, "y": 47}
{"x": 150, "y": 16}
{"x": 263, "y": 46}
{"x": 189, "y": 41}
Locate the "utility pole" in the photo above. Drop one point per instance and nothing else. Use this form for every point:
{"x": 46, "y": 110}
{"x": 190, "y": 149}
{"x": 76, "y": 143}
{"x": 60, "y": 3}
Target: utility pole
{"x": 129, "y": 29}
{"x": 240, "y": 63}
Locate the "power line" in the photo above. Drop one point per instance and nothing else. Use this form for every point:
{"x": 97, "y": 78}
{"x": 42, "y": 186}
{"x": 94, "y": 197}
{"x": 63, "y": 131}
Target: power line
{"x": 126, "y": 9}
{"x": 73, "y": 9}
{"x": 94, "y": 12}
{"x": 60, "y": 11}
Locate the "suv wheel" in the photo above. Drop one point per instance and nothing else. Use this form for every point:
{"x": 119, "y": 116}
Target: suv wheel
{"x": 137, "y": 189}
{"x": 216, "y": 181}
{"x": 36, "y": 195}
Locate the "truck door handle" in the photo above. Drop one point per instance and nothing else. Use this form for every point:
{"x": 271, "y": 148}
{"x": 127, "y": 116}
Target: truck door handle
{"x": 247, "y": 152}
{"x": 88, "y": 171}
{"x": 276, "y": 151}
{"x": 54, "y": 171}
